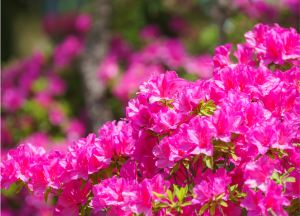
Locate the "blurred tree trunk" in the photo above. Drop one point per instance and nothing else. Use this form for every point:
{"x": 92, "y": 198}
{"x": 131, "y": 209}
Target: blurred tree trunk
{"x": 95, "y": 49}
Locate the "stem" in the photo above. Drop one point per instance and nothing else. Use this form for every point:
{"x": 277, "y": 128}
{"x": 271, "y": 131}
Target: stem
{"x": 175, "y": 179}
{"x": 271, "y": 212}
{"x": 284, "y": 166}
{"x": 221, "y": 210}
{"x": 192, "y": 170}
{"x": 288, "y": 162}
{"x": 179, "y": 178}
{"x": 182, "y": 173}
{"x": 197, "y": 165}
{"x": 188, "y": 179}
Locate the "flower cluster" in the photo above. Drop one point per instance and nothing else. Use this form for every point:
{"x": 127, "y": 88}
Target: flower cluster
{"x": 33, "y": 88}
{"x": 33, "y": 106}
{"x": 263, "y": 9}
{"x": 158, "y": 55}
{"x": 222, "y": 146}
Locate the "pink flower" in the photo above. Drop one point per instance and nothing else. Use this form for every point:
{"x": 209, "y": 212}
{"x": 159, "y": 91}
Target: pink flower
{"x": 12, "y": 99}
{"x": 245, "y": 54}
{"x": 263, "y": 137}
{"x": 56, "y": 115}
{"x": 83, "y": 23}
{"x": 292, "y": 188}
{"x": 44, "y": 99}
{"x": 158, "y": 185}
{"x": 108, "y": 69}
{"x": 128, "y": 170}
{"x": 24, "y": 158}
{"x": 166, "y": 121}
{"x": 223, "y": 125}
{"x": 138, "y": 200}
{"x": 166, "y": 153}
{"x": 291, "y": 45}
{"x": 257, "y": 36}
{"x": 252, "y": 203}
{"x": 199, "y": 135}
{"x": 257, "y": 173}
{"x": 221, "y": 58}
{"x": 65, "y": 52}
{"x": 273, "y": 50}
{"x": 211, "y": 186}
{"x": 275, "y": 199}
{"x": 151, "y": 31}
{"x": 8, "y": 171}
{"x": 74, "y": 129}
{"x": 56, "y": 85}
{"x": 109, "y": 193}
{"x": 72, "y": 196}
{"x": 201, "y": 66}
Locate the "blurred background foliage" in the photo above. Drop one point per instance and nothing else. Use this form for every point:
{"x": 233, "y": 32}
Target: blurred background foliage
{"x": 22, "y": 30}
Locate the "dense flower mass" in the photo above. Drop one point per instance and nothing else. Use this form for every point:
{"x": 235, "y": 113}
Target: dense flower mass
{"x": 222, "y": 146}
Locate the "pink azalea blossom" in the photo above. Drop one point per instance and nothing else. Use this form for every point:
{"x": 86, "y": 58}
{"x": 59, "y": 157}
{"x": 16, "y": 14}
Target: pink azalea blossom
{"x": 257, "y": 173}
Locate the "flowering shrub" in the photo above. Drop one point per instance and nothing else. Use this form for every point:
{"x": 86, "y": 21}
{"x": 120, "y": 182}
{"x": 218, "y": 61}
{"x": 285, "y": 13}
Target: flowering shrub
{"x": 155, "y": 57}
{"x": 222, "y": 146}
{"x": 32, "y": 88}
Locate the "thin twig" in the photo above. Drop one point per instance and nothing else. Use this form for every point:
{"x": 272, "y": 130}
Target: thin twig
{"x": 188, "y": 179}
{"x": 179, "y": 178}
{"x": 221, "y": 210}
{"x": 175, "y": 179}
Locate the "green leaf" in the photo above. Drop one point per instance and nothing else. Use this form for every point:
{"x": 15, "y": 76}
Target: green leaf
{"x": 169, "y": 210}
{"x": 203, "y": 208}
{"x": 196, "y": 158}
{"x": 186, "y": 164}
{"x": 283, "y": 152}
{"x": 163, "y": 205}
{"x": 170, "y": 106}
{"x": 122, "y": 161}
{"x": 170, "y": 195}
{"x": 83, "y": 184}
{"x": 291, "y": 169}
{"x": 234, "y": 156}
{"x": 95, "y": 180}
{"x": 87, "y": 211}
{"x": 220, "y": 196}
{"x": 47, "y": 194}
{"x": 232, "y": 188}
{"x": 186, "y": 189}
{"x": 213, "y": 210}
{"x": 275, "y": 176}
{"x": 20, "y": 185}
{"x": 271, "y": 155}
{"x": 181, "y": 194}
{"x": 176, "y": 191}
{"x": 186, "y": 203}
{"x": 176, "y": 167}
{"x": 290, "y": 179}
{"x": 191, "y": 187}
{"x": 108, "y": 172}
{"x": 209, "y": 162}
{"x": 82, "y": 212}
{"x": 159, "y": 195}
{"x": 223, "y": 203}
{"x": 31, "y": 192}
